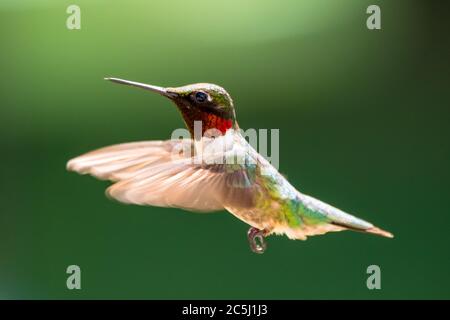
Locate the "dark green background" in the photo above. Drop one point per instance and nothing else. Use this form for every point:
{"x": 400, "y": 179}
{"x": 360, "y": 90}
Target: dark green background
{"x": 364, "y": 125}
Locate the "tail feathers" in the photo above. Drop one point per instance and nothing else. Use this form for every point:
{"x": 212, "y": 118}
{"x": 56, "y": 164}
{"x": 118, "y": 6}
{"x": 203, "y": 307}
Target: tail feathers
{"x": 373, "y": 230}
{"x": 342, "y": 219}
{"x": 380, "y": 232}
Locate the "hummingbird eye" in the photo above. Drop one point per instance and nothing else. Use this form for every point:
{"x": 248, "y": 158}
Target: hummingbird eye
{"x": 200, "y": 96}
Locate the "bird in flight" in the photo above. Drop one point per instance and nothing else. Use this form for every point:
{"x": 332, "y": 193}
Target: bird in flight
{"x": 214, "y": 169}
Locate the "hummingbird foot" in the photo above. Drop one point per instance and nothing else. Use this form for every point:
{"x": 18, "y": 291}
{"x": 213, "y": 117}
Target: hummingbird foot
{"x": 256, "y": 240}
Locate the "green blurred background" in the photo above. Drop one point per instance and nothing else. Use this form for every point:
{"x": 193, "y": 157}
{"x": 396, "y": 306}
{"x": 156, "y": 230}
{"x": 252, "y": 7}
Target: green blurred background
{"x": 364, "y": 125}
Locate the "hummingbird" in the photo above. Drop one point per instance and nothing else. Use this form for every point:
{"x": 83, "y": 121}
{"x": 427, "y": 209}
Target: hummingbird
{"x": 210, "y": 172}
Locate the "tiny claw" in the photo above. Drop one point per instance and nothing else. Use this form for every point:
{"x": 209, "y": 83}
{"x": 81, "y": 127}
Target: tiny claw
{"x": 256, "y": 240}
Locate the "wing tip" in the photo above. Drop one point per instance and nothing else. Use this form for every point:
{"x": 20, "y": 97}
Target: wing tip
{"x": 76, "y": 165}
{"x": 70, "y": 165}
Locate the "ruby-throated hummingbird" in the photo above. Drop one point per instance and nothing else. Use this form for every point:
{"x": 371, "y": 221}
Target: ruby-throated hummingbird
{"x": 202, "y": 173}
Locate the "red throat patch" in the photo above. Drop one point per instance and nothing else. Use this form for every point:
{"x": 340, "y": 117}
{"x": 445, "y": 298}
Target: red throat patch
{"x": 211, "y": 121}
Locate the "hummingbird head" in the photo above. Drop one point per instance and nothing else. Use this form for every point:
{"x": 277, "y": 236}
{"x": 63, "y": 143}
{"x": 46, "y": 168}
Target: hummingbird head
{"x": 204, "y": 102}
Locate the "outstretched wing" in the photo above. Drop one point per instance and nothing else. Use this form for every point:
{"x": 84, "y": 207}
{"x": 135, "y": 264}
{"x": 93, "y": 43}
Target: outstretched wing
{"x": 152, "y": 173}
{"x": 122, "y": 161}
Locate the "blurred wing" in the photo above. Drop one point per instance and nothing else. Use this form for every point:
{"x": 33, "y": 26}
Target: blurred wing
{"x": 147, "y": 174}
{"x": 190, "y": 184}
{"x": 122, "y": 161}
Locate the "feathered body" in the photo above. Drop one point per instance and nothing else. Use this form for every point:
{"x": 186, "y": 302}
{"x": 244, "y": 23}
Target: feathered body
{"x": 210, "y": 173}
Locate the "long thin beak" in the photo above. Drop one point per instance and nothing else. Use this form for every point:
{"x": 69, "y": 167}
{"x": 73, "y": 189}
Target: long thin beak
{"x": 160, "y": 90}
